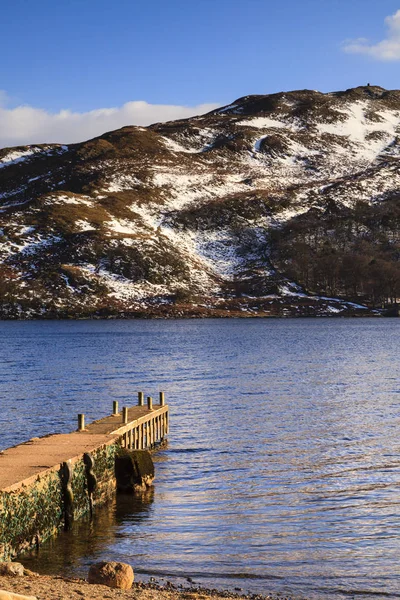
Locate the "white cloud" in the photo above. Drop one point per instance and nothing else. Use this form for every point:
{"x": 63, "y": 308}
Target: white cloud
{"x": 388, "y": 49}
{"x": 28, "y": 125}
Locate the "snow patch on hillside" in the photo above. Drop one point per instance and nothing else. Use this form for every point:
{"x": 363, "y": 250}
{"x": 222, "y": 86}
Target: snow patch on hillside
{"x": 219, "y": 249}
{"x": 234, "y": 109}
{"x": 176, "y": 147}
{"x": 213, "y": 252}
{"x": 286, "y": 215}
{"x": 64, "y": 199}
{"x": 371, "y": 187}
{"x": 356, "y": 127}
{"x": 121, "y": 226}
{"x": 185, "y": 242}
{"x": 26, "y": 229}
{"x": 124, "y": 289}
{"x": 122, "y": 182}
{"x": 185, "y": 189}
{"x": 268, "y": 123}
{"x": 14, "y": 156}
{"x": 83, "y": 225}
{"x": 30, "y": 245}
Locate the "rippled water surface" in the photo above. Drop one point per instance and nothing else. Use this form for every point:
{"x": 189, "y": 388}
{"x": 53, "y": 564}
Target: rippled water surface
{"x": 282, "y": 471}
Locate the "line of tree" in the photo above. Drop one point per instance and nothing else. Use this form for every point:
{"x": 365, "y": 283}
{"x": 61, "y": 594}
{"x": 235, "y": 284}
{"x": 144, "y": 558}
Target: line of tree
{"x": 353, "y": 253}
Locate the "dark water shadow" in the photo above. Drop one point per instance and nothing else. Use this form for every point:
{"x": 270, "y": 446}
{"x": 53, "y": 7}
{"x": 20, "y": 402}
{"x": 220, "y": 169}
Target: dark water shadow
{"x": 65, "y": 553}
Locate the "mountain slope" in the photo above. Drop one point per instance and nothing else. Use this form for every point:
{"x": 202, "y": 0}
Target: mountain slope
{"x": 283, "y": 204}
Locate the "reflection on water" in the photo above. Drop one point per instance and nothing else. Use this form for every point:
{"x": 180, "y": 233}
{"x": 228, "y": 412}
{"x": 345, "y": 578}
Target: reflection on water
{"x": 282, "y": 471}
{"x": 91, "y": 537}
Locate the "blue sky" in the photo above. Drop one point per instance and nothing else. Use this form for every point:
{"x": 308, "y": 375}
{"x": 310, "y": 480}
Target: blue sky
{"x": 82, "y": 55}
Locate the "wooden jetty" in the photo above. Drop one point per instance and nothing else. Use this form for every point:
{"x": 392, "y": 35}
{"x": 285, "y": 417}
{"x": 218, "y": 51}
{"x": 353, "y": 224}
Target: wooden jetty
{"x": 139, "y": 427}
{"x": 33, "y": 484}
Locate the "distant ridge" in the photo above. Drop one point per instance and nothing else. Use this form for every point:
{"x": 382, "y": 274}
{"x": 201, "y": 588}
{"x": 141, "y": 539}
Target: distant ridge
{"x": 284, "y": 204}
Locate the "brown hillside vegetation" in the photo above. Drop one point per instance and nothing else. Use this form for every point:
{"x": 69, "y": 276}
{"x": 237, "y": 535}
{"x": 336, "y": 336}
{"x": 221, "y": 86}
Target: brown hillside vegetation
{"x": 278, "y": 205}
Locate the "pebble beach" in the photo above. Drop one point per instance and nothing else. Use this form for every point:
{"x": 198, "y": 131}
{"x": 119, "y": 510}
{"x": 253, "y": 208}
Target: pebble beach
{"x": 45, "y": 587}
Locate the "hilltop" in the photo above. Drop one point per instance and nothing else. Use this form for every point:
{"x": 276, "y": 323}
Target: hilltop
{"x": 282, "y": 204}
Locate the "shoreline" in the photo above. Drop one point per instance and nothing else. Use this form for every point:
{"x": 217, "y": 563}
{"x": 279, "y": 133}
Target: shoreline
{"x": 375, "y": 314}
{"x": 56, "y": 587}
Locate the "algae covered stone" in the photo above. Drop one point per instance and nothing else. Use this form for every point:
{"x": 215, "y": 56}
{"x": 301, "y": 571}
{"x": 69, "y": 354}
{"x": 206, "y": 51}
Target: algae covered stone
{"x": 134, "y": 470}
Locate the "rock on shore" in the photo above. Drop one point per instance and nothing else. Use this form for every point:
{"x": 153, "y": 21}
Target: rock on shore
{"x": 112, "y": 574}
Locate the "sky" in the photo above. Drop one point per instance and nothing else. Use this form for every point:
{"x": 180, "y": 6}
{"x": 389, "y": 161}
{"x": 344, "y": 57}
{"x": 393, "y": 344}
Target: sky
{"x": 72, "y": 69}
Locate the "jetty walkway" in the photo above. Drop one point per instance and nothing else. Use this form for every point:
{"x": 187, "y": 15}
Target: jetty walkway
{"x": 138, "y": 427}
{"x": 48, "y": 482}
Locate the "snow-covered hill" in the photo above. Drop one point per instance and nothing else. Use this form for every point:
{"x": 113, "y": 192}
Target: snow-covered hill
{"x": 283, "y": 204}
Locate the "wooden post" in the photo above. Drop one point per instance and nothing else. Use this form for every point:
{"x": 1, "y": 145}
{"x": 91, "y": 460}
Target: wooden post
{"x": 162, "y": 399}
{"x": 81, "y": 422}
{"x": 115, "y": 408}
{"x": 140, "y": 399}
{"x": 125, "y": 414}
{"x": 149, "y": 402}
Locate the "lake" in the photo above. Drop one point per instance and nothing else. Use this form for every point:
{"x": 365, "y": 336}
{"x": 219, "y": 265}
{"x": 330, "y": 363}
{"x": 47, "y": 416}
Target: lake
{"x": 282, "y": 470}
